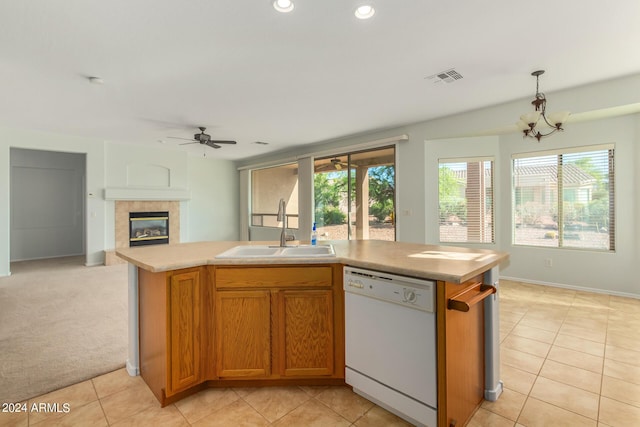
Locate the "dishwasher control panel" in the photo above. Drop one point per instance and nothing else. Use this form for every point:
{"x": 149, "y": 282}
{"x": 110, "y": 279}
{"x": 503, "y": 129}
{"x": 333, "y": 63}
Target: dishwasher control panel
{"x": 407, "y": 291}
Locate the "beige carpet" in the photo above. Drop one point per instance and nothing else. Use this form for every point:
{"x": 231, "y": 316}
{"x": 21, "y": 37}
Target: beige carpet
{"x": 60, "y": 323}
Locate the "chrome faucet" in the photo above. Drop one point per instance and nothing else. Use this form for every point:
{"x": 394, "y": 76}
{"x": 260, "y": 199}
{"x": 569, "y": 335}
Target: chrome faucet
{"x": 282, "y": 216}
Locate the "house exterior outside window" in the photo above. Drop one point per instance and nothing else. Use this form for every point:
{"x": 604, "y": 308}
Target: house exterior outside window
{"x": 465, "y": 196}
{"x": 268, "y": 186}
{"x": 565, "y": 199}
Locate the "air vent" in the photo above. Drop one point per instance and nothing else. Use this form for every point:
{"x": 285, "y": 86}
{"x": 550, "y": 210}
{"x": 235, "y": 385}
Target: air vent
{"x": 447, "y": 76}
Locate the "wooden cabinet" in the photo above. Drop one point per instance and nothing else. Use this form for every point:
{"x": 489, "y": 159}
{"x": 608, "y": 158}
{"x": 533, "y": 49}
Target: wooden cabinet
{"x": 170, "y": 325}
{"x": 220, "y": 325}
{"x": 286, "y": 328}
{"x": 184, "y": 330}
{"x": 243, "y": 333}
{"x": 306, "y": 332}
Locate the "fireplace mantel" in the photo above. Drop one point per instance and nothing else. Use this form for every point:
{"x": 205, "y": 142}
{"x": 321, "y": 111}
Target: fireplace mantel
{"x": 142, "y": 193}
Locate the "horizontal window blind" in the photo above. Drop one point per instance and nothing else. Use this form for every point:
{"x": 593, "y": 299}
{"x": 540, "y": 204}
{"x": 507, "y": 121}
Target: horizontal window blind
{"x": 465, "y": 195}
{"x": 565, "y": 199}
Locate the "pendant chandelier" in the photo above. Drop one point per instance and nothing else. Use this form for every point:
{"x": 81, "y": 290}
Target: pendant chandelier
{"x": 530, "y": 123}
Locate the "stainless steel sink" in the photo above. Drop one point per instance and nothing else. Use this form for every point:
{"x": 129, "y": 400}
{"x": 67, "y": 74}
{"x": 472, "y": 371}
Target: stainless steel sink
{"x": 262, "y": 251}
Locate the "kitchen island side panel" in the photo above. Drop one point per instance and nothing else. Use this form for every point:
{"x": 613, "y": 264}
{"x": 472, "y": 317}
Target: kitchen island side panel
{"x": 153, "y": 330}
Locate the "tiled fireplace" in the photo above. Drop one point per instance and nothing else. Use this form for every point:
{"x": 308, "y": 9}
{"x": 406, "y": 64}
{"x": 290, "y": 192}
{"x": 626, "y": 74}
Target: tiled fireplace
{"x": 123, "y": 208}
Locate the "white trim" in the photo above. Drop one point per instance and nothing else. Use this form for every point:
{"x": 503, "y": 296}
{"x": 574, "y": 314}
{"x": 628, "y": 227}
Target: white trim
{"x": 572, "y": 287}
{"x": 358, "y": 147}
{"x": 146, "y": 194}
{"x": 467, "y": 159}
{"x": 329, "y": 152}
{"x": 270, "y": 164}
{"x": 567, "y": 150}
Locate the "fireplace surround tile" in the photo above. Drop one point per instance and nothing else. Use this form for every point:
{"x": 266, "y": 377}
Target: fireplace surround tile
{"x": 122, "y": 209}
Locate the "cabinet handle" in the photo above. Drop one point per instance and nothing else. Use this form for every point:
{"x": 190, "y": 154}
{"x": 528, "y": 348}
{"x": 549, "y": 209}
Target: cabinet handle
{"x": 470, "y": 296}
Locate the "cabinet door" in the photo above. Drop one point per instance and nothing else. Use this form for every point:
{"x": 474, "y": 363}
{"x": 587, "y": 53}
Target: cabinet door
{"x": 306, "y": 332}
{"x": 243, "y": 333}
{"x": 184, "y": 330}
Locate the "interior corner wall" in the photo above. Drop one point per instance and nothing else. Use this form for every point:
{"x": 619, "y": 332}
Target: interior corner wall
{"x": 417, "y": 170}
{"x": 212, "y": 211}
{"x": 94, "y": 209}
{"x": 214, "y": 208}
{"x": 484, "y": 146}
{"x": 123, "y": 159}
{"x": 614, "y": 272}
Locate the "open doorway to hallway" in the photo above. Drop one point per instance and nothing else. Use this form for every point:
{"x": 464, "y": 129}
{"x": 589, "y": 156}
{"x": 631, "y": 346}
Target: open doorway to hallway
{"x": 47, "y": 205}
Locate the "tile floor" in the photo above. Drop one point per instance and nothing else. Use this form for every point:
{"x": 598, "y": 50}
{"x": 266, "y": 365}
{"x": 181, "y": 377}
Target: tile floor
{"x": 569, "y": 358}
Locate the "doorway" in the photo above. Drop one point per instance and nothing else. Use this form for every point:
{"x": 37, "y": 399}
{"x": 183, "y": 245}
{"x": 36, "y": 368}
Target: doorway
{"x": 47, "y": 206}
{"x": 354, "y": 195}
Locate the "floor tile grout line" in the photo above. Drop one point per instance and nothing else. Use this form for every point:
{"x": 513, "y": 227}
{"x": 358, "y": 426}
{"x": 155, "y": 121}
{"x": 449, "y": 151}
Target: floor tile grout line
{"x": 104, "y": 414}
{"x": 557, "y": 332}
{"x": 330, "y": 408}
{"x": 604, "y": 358}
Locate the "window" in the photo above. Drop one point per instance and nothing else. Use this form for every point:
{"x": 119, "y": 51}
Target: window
{"x": 268, "y": 186}
{"x": 465, "y": 196}
{"x": 354, "y": 195}
{"x": 565, "y": 199}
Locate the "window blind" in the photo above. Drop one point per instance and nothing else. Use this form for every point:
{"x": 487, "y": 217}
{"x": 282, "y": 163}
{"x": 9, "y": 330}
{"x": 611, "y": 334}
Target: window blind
{"x": 565, "y": 199}
{"x": 465, "y": 193}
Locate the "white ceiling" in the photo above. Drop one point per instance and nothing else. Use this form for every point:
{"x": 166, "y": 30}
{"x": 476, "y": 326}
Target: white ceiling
{"x": 251, "y": 74}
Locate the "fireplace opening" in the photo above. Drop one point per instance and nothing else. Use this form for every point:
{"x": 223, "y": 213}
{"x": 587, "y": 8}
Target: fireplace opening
{"x": 148, "y": 228}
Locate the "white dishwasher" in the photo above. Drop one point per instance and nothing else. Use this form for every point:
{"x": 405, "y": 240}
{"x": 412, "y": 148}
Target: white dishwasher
{"x": 390, "y": 331}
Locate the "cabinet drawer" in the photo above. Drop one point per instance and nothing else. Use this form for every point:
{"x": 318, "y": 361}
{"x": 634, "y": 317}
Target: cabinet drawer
{"x": 273, "y": 277}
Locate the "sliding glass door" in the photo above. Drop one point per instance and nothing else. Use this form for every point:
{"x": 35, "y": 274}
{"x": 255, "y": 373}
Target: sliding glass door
{"x": 354, "y": 195}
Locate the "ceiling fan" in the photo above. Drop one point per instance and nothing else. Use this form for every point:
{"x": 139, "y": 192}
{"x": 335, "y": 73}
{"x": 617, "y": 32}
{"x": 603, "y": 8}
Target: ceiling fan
{"x": 334, "y": 164}
{"x": 203, "y": 138}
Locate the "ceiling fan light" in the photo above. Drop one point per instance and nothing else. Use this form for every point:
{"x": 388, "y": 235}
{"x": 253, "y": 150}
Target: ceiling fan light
{"x": 558, "y": 118}
{"x": 365, "y": 11}
{"x": 283, "y": 6}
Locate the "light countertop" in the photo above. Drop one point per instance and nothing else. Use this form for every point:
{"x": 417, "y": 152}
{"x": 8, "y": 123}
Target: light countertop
{"x": 453, "y": 264}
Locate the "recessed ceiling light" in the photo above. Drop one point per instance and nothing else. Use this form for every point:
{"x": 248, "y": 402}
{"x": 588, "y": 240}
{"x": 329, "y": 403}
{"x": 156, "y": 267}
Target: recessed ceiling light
{"x": 365, "y": 11}
{"x": 283, "y": 6}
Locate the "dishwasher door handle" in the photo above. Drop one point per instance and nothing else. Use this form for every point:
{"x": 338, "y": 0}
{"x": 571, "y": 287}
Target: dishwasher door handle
{"x": 464, "y": 300}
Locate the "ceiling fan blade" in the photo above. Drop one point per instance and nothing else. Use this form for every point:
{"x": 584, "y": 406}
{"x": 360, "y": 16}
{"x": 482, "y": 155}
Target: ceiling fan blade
{"x": 328, "y": 167}
{"x": 223, "y": 142}
{"x": 187, "y": 143}
{"x": 212, "y": 144}
{"x": 177, "y": 137}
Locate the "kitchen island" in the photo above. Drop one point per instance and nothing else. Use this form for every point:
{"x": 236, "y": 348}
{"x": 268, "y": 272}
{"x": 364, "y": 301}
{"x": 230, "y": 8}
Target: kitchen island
{"x": 202, "y": 321}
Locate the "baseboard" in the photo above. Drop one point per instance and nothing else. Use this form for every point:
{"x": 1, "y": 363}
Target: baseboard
{"x": 134, "y": 371}
{"x": 93, "y": 264}
{"x": 492, "y": 395}
{"x": 572, "y": 287}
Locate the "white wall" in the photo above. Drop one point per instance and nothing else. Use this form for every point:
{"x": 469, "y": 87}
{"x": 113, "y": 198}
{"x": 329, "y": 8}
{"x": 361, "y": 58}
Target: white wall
{"x": 614, "y": 271}
{"x": 94, "y": 150}
{"x": 213, "y": 211}
{"x": 417, "y": 174}
{"x": 123, "y": 163}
